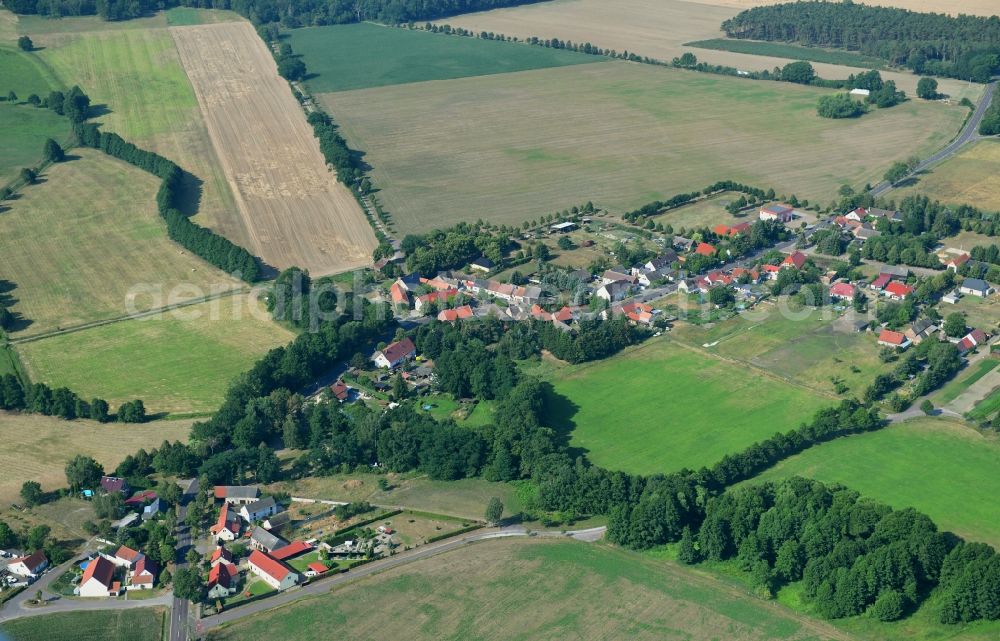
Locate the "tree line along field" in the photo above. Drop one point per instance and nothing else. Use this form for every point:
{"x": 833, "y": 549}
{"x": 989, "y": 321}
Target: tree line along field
{"x": 940, "y": 467}
{"x": 294, "y": 209}
{"x": 969, "y": 177}
{"x": 662, "y": 407}
{"x": 141, "y": 624}
{"x": 968, "y": 7}
{"x": 102, "y": 238}
{"x": 506, "y": 147}
{"x": 178, "y": 362}
{"x": 37, "y": 448}
{"x": 398, "y": 56}
{"x": 533, "y": 589}
{"x": 25, "y": 130}
{"x": 661, "y": 29}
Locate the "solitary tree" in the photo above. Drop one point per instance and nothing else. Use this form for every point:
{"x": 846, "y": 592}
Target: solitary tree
{"x": 31, "y": 493}
{"x": 12, "y": 97}
{"x": 25, "y": 43}
{"x": 494, "y": 511}
{"x": 53, "y": 152}
{"x": 897, "y": 172}
{"x": 954, "y": 325}
{"x": 927, "y": 88}
{"x": 927, "y": 407}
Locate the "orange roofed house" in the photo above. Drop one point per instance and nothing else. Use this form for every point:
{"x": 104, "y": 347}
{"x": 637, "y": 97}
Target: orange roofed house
{"x": 275, "y": 573}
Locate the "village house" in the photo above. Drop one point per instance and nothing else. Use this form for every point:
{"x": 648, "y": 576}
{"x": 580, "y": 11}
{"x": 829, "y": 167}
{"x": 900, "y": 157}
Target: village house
{"x": 399, "y": 295}
{"x": 261, "y": 539}
{"x": 220, "y": 555}
{"x": 98, "y": 579}
{"x": 951, "y": 297}
{"x": 29, "y": 566}
{"x": 228, "y": 526}
{"x": 771, "y": 271}
{"x": 866, "y": 231}
{"x": 638, "y": 313}
{"x": 315, "y": 569}
{"x": 920, "y": 330}
{"x": 646, "y": 279}
{"x": 897, "y": 290}
{"x": 114, "y": 485}
{"x": 259, "y": 510}
{"x": 972, "y": 340}
{"x": 275, "y": 573}
{"x": 143, "y": 577}
{"x": 663, "y": 261}
{"x": 617, "y": 275}
{"x": 290, "y": 551}
{"x": 975, "y": 287}
{"x": 223, "y": 580}
{"x": 139, "y": 499}
{"x": 562, "y": 228}
{"x": 482, "y": 264}
{"x": 237, "y": 494}
{"x": 395, "y": 354}
{"x": 614, "y": 292}
{"x": 858, "y": 215}
{"x": 154, "y": 509}
{"x": 126, "y": 557}
{"x": 796, "y": 259}
{"x": 705, "y": 249}
{"x": 731, "y": 230}
{"x": 777, "y": 211}
{"x": 954, "y": 262}
{"x": 456, "y": 314}
{"x": 889, "y": 338}
{"x": 340, "y": 391}
{"x": 278, "y": 521}
{"x": 438, "y": 298}
{"x": 842, "y": 291}
{"x": 682, "y": 244}
{"x": 889, "y": 214}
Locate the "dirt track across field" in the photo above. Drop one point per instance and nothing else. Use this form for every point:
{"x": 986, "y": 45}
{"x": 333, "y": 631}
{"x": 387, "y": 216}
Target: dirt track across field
{"x": 295, "y": 210}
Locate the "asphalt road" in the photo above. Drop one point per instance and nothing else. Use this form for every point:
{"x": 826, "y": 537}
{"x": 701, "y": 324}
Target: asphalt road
{"x": 180, "y": 609}
{"x": 970, "y": 133}
{"x": 416, "y": 554}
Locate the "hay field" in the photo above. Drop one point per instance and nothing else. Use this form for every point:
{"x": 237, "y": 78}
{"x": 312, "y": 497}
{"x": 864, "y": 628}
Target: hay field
{"x": 179, "y": 362}
{"x": 534, "y": 589}
{"x": 659, "y": 29}
{"x": 36, "y": 448}
{"x": 295, "y": 211}
{"x": 970, "y": 178}
{"x": 137, "y": 75}
{"x": 25, "y": 129}
{"x": 940, "y": 467}
{"x": 508, "y": 147}
{"x": 76, "y": 244}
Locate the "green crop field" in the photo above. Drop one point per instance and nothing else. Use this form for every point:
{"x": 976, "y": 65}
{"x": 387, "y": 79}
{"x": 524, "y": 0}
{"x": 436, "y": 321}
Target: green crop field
{"x": 136, "y": 75}
{"x": 955, "y": 387}
{"x": 793, "y": 52}
{"x": 987, "y": 407}
{"x": 144, "y": 624}
{"x": 181, "y": 16}
{"x": 509, "y": 147}
{"x": 662, "y": 407}
{"x": 25, "y": 129}
{"x": 77, "y": 245}
{"x": 939, "y": 467}
{"x": 968, "y": 178}
{"x": 359, "y": 56}
{"x": 533, "y": 589}
{"x": 180, "y": 362}
{"x": 24, "y": 74}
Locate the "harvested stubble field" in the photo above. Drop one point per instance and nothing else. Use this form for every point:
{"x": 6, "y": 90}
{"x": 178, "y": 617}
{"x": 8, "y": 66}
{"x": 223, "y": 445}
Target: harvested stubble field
{"x": 972, "y": 177}
{"x": 659, "y": 29}
{"x": 36, "y": 448}
{"x": 137, "y": 75}
{"x": 178, "y": 362}
{"x": 295, "y": 211}
{"x": 534, "y": 589}
{"x": 940, "y": 467}
{"x": 77, "y": 243}
{"x": 508, "y": 147}
{"x": 654, "y": 418}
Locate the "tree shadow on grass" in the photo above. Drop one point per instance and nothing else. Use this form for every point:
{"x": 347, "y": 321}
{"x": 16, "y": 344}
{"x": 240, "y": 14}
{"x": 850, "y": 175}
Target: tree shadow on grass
{"x": 188, "y": 198}
{"x": 558, "y": 414}
{"x": 97, "y": 111}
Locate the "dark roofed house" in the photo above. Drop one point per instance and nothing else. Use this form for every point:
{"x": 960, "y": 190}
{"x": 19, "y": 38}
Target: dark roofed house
{"x": 976, "y": 287}
{"x": 261, "y": 539}
{"x": 113, "y": 484}
{"x": 260, "y": 509}
{"x": 237, "y": 494}
{"x": 395, "y": 354}
{"x": 482, "y": 264}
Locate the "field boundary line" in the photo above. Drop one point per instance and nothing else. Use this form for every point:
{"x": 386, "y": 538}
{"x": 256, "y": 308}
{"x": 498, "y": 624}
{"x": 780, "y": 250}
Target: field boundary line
{"x": 138, "y": 315}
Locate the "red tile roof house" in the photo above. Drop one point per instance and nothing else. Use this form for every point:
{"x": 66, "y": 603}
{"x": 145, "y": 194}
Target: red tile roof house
{"x": 144, "y": 575}
{"x": 858, "y": 215}
{"x": 777, "y": 211}
{"x": 29, "y": 566}
{"x": 126, "y": 557}
{"x": 398, "y": 295}
{"x": 315, "y": 569}
{"x": 734, "y": 230}
{"x": 890, "y": 338}
{"x": 795, "y": 259}
{"x": 771, "y": 271}
{"x": 275, "y": 573}
{"x": 221, "y": 555}
{"x": 879, "y": 283}
{"x": 897, "y": 290}
{"x": 98, "y": 579}
{"x": 954, "y": 263}
{"x": 395, "y": 354}
{"x": 112, "y": 484}
{"x": 457, "y": 314}
{"x": 704, "y": 249}
{"x": 843, "y": 291}
{"x": 140, "y": 498}
{"x": 640, "y": 313}
{"x": 228, "y": 526}
{"x": 971, "y": 340}
{"x": 441, "y": 298}
{"x": 340, "y": 391}
{"x": 222, "y": 580}
{"x": 290, "y": 551}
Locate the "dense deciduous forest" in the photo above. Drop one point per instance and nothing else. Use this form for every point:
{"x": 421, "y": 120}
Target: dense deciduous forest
{"x": 291, "y": 13}
{"x": 966, "y": 47}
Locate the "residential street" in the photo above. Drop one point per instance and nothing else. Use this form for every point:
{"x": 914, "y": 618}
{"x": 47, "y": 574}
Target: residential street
{"x": 180, "y": 609}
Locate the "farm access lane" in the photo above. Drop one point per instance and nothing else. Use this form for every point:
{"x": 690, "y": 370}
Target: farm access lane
{"x": 416, "y": 554}
{"x": 969, "y": 133}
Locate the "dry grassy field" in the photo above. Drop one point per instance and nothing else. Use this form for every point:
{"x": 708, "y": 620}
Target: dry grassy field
{"x": 509, "y": 147}
{"x": 36, "y": 448}
{"x": 295, "y": 211}
{"x": 659, "y": 28}
{"x": 972, "y": 177}
{"x": 76, "y": 244}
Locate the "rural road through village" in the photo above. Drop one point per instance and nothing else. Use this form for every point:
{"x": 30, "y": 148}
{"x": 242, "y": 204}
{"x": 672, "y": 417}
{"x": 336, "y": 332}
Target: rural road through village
{"x": 969, "y": 133}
